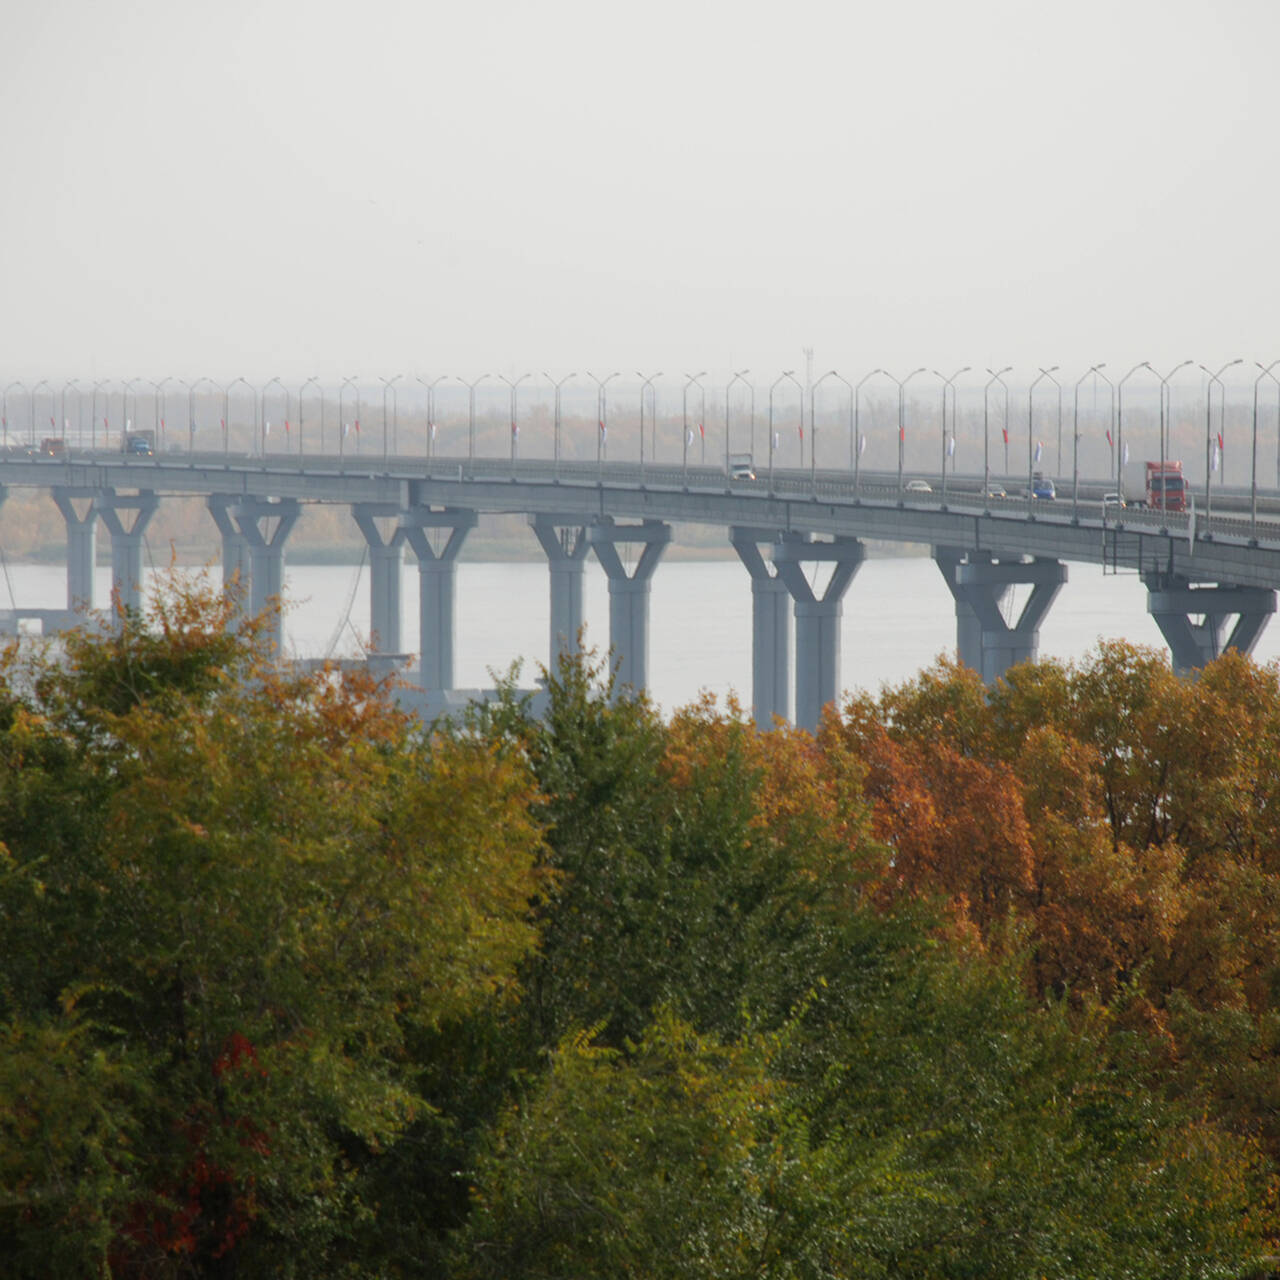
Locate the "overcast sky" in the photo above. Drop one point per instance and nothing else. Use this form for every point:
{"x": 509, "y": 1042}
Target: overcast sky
{"x": 259, "y": 187}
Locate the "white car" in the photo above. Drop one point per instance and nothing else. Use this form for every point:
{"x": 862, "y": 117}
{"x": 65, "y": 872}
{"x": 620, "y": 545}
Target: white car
{"x": 919, "y": 486}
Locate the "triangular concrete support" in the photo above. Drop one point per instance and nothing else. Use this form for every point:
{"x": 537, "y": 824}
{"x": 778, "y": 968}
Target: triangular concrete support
{"x": 564, "y": 541}
{"x": 436, "y": 581}
{"x": 236, "y": 569}
{"x": 126, "y": 540}
{"x": 1174, "y": 601}
{"x": 770, "y": 627}
{"x": 985, "y": 641}
{"x": 629, "y": 592}
{"x": 817, "y": 617}
{"x": 81, "y": 516}
{"x": 266, "y": 551}
{"x": 386, "y": 565}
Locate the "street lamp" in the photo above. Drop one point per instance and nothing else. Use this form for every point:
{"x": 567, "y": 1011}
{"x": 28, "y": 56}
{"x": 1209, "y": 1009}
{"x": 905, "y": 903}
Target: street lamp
{"x": 128, "y": 421}
{"x": 689, "y": 380}
{"x": 740, "y": 376}
{"x": 855, "y": 458}
{"x": 602, "y": 413}
{"x": 556, "y": 438}
{"x": 302, "y": 390}
{"x": 515, "y": 422}
{"x": 71, "y": 382}
{"x": 389, "y": 384}
{"x": 1145, "y": 364}
{"x": 191, "y": 410}
{"x": 813, "y": 431}
{"x": 262, "y": 400}
{"x": 1165, "y": 389}
{"x": 1094, "y": 371}
{"x": 786, "y": 375}
{"x": 471, "y": 414}
{"x": 996, "y": 376}
{"x": 1253, "y": 497}
{"x": 948, "y": 382}
{"x": 158, "y": 407}
{"x": 93, "y": 412}
{"x": 5, "y": 412}
{"x": 1031, "y": 394}
{"x": 1208, "y": 408}
{"x": 902, "y": 424}
{"x": 226, "y": 407}
{"x": 342, "y": 426}
{"x": 647, "y": 383}
{"x": 431, "y": 409}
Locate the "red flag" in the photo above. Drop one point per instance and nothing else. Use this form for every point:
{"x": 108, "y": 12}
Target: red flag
{"x": 1220, "y": 445}
{"x": 1110, "y": 442}
{"x": 286, "y": 426}
{"x": 53, "y": 425}
{"x": 222, "y": 422}
{"x": 1005, "y": 432}
{"x": 902, "y": 434}
{"x": 802, "y": 433}
{"x": 357, "y": 426}
{"x": 702, "y": 431}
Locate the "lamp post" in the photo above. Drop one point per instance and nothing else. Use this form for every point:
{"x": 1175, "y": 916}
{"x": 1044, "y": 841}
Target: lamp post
{"x": 49, "y": 389}
{"x": 556, "y": 437}
{"x": 5, "y": 411}
{"x": 226, "y": 404}
{"x": 1094, "y": 371}
{"x": 471, "y": 414}
{"x": 996, "y": 376}
{"x": 191, "y": 410}
{"x": 689, "y": 380}
{"x": 1031, "y": 443}
{"x": 902, "y": 424}
{"x": 1166, "y": 390}
{"x": 602, "y": 414}
{"x": 647, "y": 383}
{"x": 71, "y": 382}
{"x": 740, "y": 376}
{"x": 515, "y": 422}
{"x": 1208, "y": 412}
{"x": 158, "y": 410}
{"x": 1253, "y": 494}
{"x": 93, "y": 413}
{"x": 262, "y": 415}
{"x": 128, "y": 421}
{"x": 785, "y": 376}
{"x": 948, "y": 382}
{"x": 342, "y": 426}
{"x": 389, "y": 385}
{"x": 855, "y": 458}
{"x": 431, "y": 409}
{"x": 302, "y": 391}
{"x": 1145, "y": 364}
{"x": 813, "y": 431}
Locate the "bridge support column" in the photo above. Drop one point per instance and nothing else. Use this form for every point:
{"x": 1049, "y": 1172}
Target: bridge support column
{"x": 266, "y": 551}
{"x": 817, "y": 617}
{"x": 1173, "y": 601}
{"x": 564, "y": 541}
{"x": 629, "y": 593}
{"x": 81, "y": 516}
{"x": 126, "y": 541}
{"x": 979, "y": 584}
{"x": 235, "y": 546}
{"x": 770, "y": 628}
{"x": 436, "y": 576}
{"x": 386, "y": 563}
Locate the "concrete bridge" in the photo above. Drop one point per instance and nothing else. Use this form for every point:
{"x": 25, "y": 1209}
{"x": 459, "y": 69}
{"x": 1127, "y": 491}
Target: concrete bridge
{"x": 1211, "y": 582}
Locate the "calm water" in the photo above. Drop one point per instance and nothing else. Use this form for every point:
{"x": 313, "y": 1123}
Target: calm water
{"x": 898, "y": 617}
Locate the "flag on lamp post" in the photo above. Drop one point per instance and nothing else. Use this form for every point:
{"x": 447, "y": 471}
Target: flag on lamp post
{"x": 862, "y": 445}
{"x": 1005, "y": 432}
{"x": 1039, "y": 449}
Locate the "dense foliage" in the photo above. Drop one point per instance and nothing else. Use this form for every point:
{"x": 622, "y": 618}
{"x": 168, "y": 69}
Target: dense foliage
{"x": 972, "y": 983}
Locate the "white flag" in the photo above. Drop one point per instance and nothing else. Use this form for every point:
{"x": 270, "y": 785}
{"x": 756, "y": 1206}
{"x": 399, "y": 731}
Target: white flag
{"x": 1125, "y": 460}
{"x": 862, "y": 446}
{"x": 951, "y": 447}
{"x": 1217, "y": 457}
{"x": 1039, "y": 449}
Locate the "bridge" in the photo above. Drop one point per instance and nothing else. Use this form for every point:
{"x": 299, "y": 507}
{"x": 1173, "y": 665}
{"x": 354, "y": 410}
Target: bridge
{"x": 1211, "y": 579}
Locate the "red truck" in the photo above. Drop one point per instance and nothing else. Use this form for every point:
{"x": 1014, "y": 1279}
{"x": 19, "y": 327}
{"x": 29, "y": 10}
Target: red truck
{"x": 1166, "y": 489}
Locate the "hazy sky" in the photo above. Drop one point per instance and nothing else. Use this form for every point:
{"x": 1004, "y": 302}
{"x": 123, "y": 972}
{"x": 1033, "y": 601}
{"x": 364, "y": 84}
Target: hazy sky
{"x": 259, "y": 187}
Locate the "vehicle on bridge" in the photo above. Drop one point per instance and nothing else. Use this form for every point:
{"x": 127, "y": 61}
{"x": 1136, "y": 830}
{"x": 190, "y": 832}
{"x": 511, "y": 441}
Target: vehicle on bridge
{"x": 919, "y": 486}
{"x": 139, "y": 444}
{"x": 53, "y": 447}
{"x": 1166, "y": 487}
{"x": 741, "y": 467}
{"x": 1042, "y": 487}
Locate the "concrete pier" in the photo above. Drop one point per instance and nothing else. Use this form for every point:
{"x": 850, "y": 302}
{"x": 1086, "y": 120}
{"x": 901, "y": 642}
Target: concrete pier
{"x": 985, "y": 640}
{"x": 126, "y": 517}
{"x": 565, "y": 544}
{"x": 629, "y": 592}
{"x": 436, "y": 585}
{"x": 770, "y": 627}
{"x": 818, "y": 617}
{"x": 385, "y": 537}
{"x": 1175, "y": 602}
